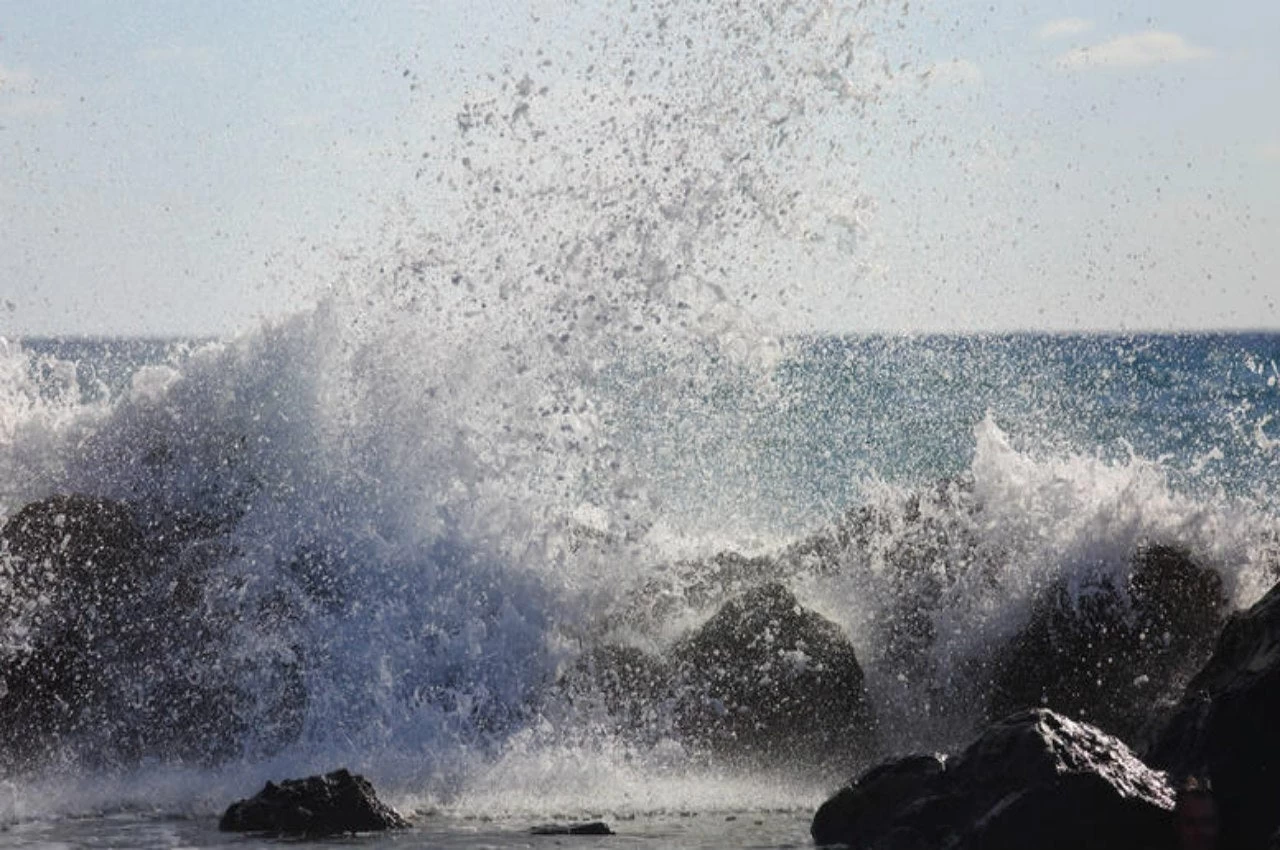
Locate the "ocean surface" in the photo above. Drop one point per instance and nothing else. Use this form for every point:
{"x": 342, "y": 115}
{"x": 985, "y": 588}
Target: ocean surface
{"x": 473, "y": 548}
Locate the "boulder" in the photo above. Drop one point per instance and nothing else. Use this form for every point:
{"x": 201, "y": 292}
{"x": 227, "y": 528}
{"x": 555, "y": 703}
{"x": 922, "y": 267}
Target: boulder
{"x": 1225, "y": 728}
{"x": 865, "y": 811}
{"x": 770, "y": 681}
{"x": 763, "y": 681}
{"x": 111, "y": 651}
{"x": 697, "y": 584}
{"x": 75, "y": 568}
{"x": 1035, "y": 779}
{"x": 333, "y": 804}
{"x": 90, "y": 543}
{"x": 1110, "y": 649}
{"x": 631, "y": 687}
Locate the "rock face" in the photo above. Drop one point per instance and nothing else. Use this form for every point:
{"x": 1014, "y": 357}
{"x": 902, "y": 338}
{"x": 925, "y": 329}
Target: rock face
{"x": 75, "y": 566}
{"x": 333, "y": 804}
{"x": 1108, "y": 653}
{"x": 109, "y": 652}
{"x": 1036, "y": 779}
{"x": 767, "y": 679}
{"x": 1226, "y": 727}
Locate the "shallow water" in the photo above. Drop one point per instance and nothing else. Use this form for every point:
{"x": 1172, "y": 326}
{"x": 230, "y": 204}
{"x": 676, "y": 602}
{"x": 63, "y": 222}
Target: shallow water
{"x": 693, "y": 830}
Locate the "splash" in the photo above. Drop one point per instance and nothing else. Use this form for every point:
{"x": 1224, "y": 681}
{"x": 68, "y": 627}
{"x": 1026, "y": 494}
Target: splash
{"x": 517, "y": 429}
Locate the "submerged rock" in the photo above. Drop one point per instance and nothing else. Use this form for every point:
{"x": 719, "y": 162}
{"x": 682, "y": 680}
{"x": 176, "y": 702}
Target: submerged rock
{"x": 1035, "y": 779}
{"x": 333, "y": 804}
{"x": 594, "y": 827}
{"x": 769, "y": 680}
{"x": 1226, "y": 727}
{"x": 1108, "y": 652}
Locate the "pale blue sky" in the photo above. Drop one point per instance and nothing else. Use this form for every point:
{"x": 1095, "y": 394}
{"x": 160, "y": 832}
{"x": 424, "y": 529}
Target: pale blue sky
{"x": 174, "y": 167}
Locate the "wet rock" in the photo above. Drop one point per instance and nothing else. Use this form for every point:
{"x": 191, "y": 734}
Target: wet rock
{"x": 912, "y": 553}
{"x": 865, "y": 810}
{"x": 632, "y": 688}
{"x": 1035, "y": 779}
{"x": 89, "y": 544}
{"x": 592, "y": 828}
{"x": 768, "y": 680}
{"x": 1225, "y": 728}
{"x": 696, "y": 585}
{"x": 1108, "y": 650}
{"x": 333, "y": 804}
{"x": 73, "y": 570}
{"x": 112, "y": 648}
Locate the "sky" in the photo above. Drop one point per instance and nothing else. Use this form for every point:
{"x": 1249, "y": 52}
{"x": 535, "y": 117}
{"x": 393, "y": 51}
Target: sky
{"x": 174, "y": 168}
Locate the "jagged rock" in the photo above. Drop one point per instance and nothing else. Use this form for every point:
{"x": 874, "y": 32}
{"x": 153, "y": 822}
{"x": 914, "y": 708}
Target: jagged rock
{"x": 1225, "y": 728}
{"x": 1035, "y": 779}
{"x": 333, "y": 804}
{"x": 768, "y": 680}
{"x": 1108, "y": 652}
{"x": 594, "y": 827}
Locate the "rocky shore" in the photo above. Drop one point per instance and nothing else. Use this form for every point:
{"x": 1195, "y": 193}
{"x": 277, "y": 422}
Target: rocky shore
{"x": 1121, "y": 686}
{"x": 1039, "y": 779}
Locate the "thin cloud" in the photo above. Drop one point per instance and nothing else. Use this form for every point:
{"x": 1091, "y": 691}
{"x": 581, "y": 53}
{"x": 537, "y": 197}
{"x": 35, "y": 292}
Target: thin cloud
{"x": 1064, "y": 27}
{"x": 1270, "y": 152}
{"x": 1143, "y": 49}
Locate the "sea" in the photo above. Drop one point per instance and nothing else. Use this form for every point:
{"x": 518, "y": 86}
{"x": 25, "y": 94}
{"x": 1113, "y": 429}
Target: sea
{"x": 478, "y": 547}
{"x": 580, "y": 359}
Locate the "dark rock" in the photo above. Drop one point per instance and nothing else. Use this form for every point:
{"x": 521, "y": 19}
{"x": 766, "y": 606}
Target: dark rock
{"x": 113, "y": 647}
{"x": 1036, "y": 779}
{"x": 74, "y": 567}
{"x": 90, "y": 543}
{"x": 696, "y": 585}
{"x": 1225, "y": 728}
{"x": 633, "y": 688}
{"x": 1111, "y": 649}
{"x": 763, "y": 681}
{"x": 864, "y": 810}
{"x": 84, "y": 558}
{"x": 595, "y": 827}
{"x": 768, "y": 680}
{"x": 910, "y": 554}
{"x": 332, "y": 804}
